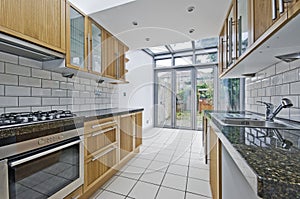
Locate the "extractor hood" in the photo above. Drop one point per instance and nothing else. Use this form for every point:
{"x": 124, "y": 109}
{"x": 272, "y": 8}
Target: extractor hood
{"x": 26, "y": 49}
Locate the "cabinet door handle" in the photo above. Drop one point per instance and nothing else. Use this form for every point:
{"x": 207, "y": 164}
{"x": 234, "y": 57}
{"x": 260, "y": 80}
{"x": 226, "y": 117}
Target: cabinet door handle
{"x": 230, "y": 42}
{"x": 240, "y": 35}
{"x": 281, "y": 6}
{"x": 274, "y": 9}
{"x": 89, "y": 52}
{"x": 103, "y": 153}
{"x": 103, "y": 131}
{"x": 104, "y": 124}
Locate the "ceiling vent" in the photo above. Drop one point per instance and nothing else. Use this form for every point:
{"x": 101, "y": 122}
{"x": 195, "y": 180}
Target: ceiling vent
{"x": 26, "y": 49}
{"x": 289, "y": 57}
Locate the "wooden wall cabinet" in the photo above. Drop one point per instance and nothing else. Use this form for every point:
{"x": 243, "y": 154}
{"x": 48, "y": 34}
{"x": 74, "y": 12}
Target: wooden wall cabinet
{"x": 41, "y": 22}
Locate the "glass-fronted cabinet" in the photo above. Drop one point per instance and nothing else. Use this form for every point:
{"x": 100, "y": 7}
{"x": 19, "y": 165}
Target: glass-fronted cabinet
{"x": 230, "y": 37}
{"x": 243, "y": 28}
{"x": 95, "y": 48}
{"x": 76, "y": 38}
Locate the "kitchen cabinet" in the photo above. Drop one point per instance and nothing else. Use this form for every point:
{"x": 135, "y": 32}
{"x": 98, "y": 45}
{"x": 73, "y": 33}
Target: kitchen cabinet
{"x": 41, "y": 22}
{"x": 215, "y": 164}
{"x": 243, "y": 27}
{"x": 75, "y": 194}
{"x": 293, "y": 8}
{"x": 222, "y": 50}
{"x": 138, "y": 129}
{"x": 231, "y": 34}
{"x": 126, "y": 135}
{"x": 76, "y": 51}
{"x": 95, "y": 48}
{"x": 100, "y": 140}
{"x": 113, "y": 57}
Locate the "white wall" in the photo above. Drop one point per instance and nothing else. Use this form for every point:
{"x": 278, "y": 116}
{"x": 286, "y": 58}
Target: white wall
{"x": 139, "y": 92}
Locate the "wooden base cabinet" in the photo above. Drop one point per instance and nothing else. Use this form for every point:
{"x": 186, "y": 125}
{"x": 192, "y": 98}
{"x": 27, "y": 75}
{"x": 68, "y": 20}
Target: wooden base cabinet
{"x": 215, "y": 165}
{"x": 126, "y": 135}
{"x": 138, "y": 129}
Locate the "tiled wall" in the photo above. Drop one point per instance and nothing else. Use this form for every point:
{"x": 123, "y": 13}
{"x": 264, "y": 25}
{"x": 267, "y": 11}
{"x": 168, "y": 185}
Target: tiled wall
{"x": 25, "y": 87}
{"x": 273, "y": 83}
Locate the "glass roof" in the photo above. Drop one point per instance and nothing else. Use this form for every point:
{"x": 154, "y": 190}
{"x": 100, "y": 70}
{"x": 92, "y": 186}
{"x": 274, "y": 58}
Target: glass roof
{"x": 183, "y": 47}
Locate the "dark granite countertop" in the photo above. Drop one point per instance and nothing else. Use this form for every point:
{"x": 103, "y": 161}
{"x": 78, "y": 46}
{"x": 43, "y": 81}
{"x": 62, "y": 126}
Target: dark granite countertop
{"x": 105, "y": 113}
{"x": 276, "y": 170}
{"x": 20, "y": 132}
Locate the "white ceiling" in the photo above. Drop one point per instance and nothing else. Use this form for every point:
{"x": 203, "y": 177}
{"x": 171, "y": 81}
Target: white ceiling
{"x": 163, "y": 21}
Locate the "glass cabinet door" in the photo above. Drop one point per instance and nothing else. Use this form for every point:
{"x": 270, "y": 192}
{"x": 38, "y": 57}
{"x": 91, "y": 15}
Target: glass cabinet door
{"x": 95, "y": 51}
{"x": 77, "y": 39}
{"x": 242, "y": 10}
{"x": 230, "y": 37}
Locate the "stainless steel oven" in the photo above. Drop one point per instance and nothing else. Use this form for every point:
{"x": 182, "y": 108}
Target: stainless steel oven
{"x": 45, "y": 167}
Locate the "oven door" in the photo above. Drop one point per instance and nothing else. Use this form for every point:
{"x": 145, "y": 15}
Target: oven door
{"x": 51, "y": 172}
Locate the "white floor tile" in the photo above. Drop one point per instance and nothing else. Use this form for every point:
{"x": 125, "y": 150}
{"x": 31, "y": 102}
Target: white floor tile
{"x": 154, "y": 177}
{"x": 166, "y": 193}
{"x": 158, "y": 166}
{"x": 121, "y": 185}
{"x": 144, "y": 190}
{"x": 194, "y": 196}
{"x": 139, "y": 162}
{"x": 174, "y": 181}
{"x": 181, "y": 161}
{"x": 199, "y": 187}
{"x": 105, "y": 185}
{"x": 163, "y": 158}
{"x": 133, "y": 172}
{"x": 202, "y": 174}
{"x": 110, "y": 195}
{"x": 178, "y": 170}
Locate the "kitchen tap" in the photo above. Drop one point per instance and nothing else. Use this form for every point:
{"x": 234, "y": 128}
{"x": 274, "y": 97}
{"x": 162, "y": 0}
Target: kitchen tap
{"x": 270, "y": 114}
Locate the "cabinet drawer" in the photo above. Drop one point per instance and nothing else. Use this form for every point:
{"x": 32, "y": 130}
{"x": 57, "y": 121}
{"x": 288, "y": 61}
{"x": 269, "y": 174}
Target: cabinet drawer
{"x": 99, "y": 164}
{"x": 98, "y": 125}
{"x": 75, "y": 194}
{"x": 100, "y": 139}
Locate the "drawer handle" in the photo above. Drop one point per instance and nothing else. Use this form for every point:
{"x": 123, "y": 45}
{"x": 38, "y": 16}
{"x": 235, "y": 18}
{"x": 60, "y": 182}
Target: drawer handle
{"x": 103, "y": 131}
{"x": 75, "y": 197}
{"x": 104, "y": 124}
{"x": 103, "y": 153}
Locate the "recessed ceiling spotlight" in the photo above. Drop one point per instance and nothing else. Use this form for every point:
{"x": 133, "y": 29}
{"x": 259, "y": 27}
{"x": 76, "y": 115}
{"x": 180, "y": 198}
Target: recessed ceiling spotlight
{"x": 134, "y": 23}
{"x": 191, "y": 8}
{"x": 147, "y": 39}
{"x": 191, "y": 30}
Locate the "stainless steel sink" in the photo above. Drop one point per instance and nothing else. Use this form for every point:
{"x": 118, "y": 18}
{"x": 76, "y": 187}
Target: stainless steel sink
{"x": 254, "y": 123}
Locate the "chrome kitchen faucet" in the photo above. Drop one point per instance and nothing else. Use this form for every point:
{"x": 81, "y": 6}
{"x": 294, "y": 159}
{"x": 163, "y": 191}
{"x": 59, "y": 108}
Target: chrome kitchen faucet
{"x": 270, "y": 114}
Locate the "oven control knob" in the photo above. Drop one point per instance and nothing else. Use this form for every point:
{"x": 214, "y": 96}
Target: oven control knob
{"x": 41, "y": 142}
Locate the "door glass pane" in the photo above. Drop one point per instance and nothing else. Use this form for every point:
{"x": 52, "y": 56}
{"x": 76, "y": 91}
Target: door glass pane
{"x": 76, "y": 38}
{"x": 182, "y": 61}
{"x": 205, "y": 91}
{"x": 164, "y": 98}
{"x": 96, "y": 49}
{"x": 164, "y": 62}
{"x": 183, "y": 99}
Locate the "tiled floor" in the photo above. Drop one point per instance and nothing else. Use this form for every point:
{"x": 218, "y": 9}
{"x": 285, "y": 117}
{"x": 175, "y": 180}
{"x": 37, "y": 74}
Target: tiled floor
{"x": 170, "y": 165}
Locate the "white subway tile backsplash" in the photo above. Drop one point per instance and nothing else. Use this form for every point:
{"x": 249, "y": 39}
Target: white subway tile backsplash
{"x": 8, "y": 79}
{"x": 50, "y": 84}
{"x": 295, "y": 88}
{"x": 59, "y": 93}
{"x": 275, "y": 80}
{"x": 58, "y": 77}
{"x": 261, "y": 92}
{"x": 50, "y": 101}
{"x": 282, "y": 67}
{"x": 41, "y": 92}
{"x": 29, "y": 81}
{"x": 59, "y": 108}
{"x": 43, "y": 74}
{"x": 65, "y": 101}
{"x": 30, "y": 62}
{"x": 9, "y": 58}
{"x": 8, "y": 101}
{"x": 270, "y": 71}
{"x": 295, "y": 64}
{"x": 25, "y": 86}
{"x": 17, "y": 109}
{"x": 66, "y": 85}
{"x": 283, "y": 89}
{"x": 1, "y": 90}
{"x": 295, "y": 114}
{"x": 17, "y": 70}
{"x": 17, "y": 91}
{"x": 30, "y": 101}
{"x": 1, "y": 67}
{"x": 290, "y": 76}
{"x": 265, "y": 82}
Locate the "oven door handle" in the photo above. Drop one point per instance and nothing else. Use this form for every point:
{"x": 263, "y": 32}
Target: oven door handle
{"x": 27, "y": 159}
